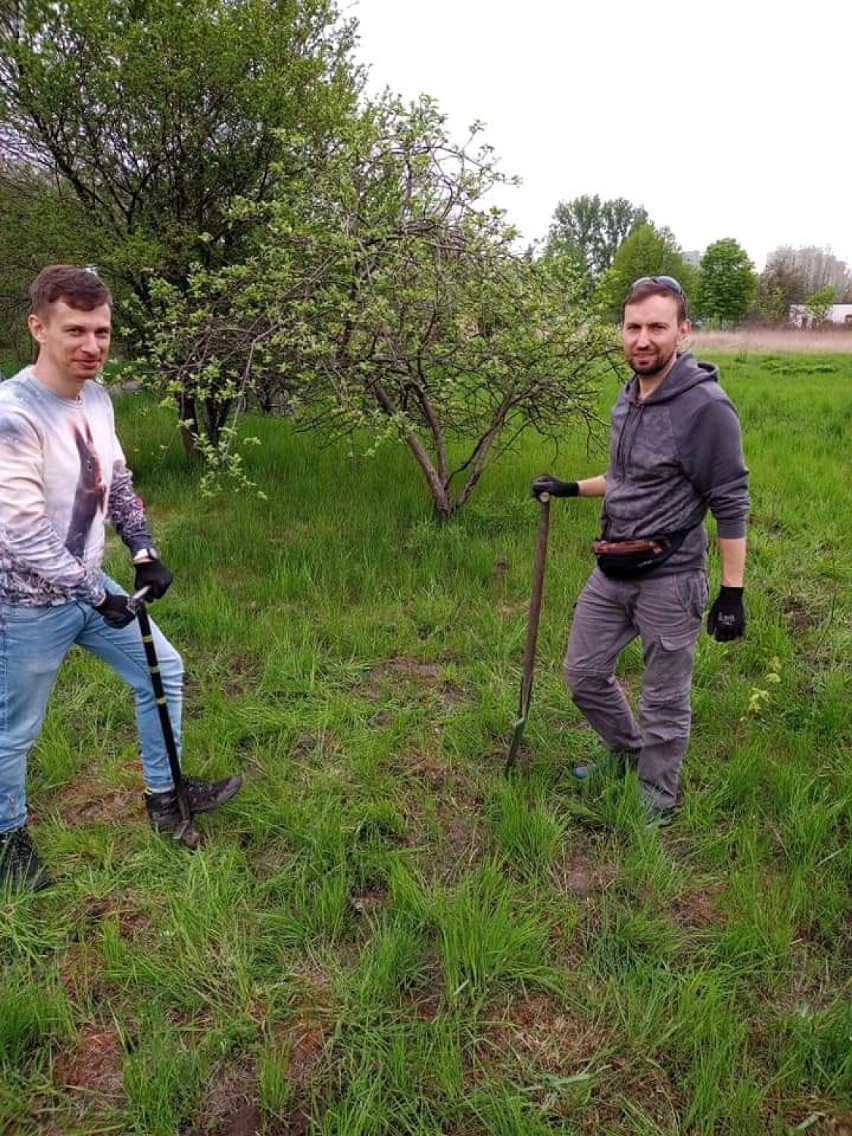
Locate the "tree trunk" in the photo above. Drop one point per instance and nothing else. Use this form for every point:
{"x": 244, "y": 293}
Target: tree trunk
{"x": 188, "y": 417}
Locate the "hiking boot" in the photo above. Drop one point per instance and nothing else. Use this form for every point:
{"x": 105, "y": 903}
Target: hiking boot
{"x": 615, "y": 761}
{"x": 20, "y": 866}
{"x": 202, "y": 797}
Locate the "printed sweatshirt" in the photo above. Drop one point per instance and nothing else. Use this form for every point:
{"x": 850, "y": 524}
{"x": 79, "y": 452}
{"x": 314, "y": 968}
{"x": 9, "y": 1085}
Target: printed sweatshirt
{"x": 62, "y": 475}
{"x": 674, "y": 456}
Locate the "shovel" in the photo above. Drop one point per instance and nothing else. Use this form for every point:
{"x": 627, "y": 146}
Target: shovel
{"x": 532, "y": 629}
{"x": 186, "y": 831}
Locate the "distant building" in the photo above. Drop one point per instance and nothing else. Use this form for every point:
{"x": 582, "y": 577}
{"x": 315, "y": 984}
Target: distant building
{"x": 839, "y": 314}
{"x": 692, "y": 257}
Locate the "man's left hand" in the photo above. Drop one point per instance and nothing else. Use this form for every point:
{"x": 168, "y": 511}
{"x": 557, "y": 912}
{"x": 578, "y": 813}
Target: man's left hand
{"x": 726, "y": 619}
{"x": 153, "y": 575}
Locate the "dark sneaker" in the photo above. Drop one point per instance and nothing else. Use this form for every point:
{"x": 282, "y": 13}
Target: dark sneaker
{"x": 20, "y": 866}
{"x": 202, "y": 797}
{"x": 207, "y": 796}
{"x": 615, "y": 761}
{"x": 656, "y": 816}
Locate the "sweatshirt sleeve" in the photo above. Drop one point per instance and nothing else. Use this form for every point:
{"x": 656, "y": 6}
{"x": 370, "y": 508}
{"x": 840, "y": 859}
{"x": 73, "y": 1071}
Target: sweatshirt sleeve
{"x": 125, "y": 508}
{"x": 30, "y": 537}
{"x": 712, "y": 457}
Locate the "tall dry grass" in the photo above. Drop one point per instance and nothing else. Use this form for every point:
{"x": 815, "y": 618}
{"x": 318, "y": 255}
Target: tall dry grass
{"x": 771, "y": 340}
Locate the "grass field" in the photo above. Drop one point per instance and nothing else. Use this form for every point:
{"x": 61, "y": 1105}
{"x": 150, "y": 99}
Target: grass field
{"x": 382, "y": 935}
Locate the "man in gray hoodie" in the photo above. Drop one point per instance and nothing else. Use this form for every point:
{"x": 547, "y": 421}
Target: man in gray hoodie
{"x": 675, "y": 453}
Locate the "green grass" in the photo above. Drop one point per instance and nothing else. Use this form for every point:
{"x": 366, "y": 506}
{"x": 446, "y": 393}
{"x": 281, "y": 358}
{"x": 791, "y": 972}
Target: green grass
{"x": 383, "y": 935}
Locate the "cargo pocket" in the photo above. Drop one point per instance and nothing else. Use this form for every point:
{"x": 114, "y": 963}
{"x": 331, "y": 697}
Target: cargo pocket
{"x": 672, "y": 664}
{"x": 692, "y": 591}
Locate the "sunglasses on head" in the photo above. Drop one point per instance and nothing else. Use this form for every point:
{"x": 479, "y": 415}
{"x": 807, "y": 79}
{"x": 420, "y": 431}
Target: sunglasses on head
{"x": 666, "y": 281}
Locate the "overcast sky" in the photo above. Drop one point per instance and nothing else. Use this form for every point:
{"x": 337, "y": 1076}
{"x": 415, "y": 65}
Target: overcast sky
{"x": 730, "y": 118}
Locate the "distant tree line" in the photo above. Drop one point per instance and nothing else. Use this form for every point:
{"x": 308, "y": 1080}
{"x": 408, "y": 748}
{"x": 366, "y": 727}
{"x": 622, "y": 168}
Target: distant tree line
{"x": 612, "y": 243}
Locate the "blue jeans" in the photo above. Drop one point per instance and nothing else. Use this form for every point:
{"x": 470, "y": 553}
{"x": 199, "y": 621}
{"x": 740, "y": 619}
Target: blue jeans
{"x": 33, "y": 644}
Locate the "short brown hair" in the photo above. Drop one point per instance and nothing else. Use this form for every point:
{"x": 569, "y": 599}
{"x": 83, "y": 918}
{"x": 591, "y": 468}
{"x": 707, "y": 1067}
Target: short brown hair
{"x": 80, "y": 288}
{"x": 647, "y": 286}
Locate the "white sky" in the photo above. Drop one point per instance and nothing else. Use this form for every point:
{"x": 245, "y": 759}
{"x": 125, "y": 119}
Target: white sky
{"x": 724, "y": 118}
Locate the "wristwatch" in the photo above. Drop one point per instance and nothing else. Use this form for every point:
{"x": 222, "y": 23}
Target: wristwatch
{"x": 143, "y": 555}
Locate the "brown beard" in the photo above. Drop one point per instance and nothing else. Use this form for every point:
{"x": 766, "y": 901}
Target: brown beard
{"x": 658, "y": 367}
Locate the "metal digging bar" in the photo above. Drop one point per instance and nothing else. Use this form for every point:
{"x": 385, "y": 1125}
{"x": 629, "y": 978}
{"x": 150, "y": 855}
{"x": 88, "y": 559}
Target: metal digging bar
{"x": 186, "y": 831}
{"x": 532, "y": 629}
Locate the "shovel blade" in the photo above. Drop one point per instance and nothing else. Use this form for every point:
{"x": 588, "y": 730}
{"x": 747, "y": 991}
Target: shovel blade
{"x": 187, "y": 834}
{"x": 515, "y": 743}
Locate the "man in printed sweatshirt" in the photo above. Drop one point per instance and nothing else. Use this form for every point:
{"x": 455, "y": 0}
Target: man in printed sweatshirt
{"x": 62, "y": 475}
{"x": 675, "y": 454}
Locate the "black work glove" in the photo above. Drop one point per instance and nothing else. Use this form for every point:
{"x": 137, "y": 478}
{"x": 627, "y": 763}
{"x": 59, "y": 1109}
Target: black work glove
{"x": 116, "y": 610}
{"x": 545, "y": 483}
{"x": 153, "y": 575}
{"x": 726, "y": 619}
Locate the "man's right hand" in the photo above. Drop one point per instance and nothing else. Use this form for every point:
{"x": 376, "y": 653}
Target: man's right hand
{"x": 545, "y": 483}
{"x": 115, "y": 609}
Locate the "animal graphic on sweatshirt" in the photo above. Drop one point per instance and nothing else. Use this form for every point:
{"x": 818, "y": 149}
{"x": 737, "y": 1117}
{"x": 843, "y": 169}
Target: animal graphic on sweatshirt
{"x": 89, "y": 496}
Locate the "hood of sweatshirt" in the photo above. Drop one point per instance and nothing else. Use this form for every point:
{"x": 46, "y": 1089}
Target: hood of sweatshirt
{"x": 687, "y": 372}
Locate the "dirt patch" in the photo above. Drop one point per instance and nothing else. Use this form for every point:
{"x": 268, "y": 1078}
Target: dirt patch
{"x": 302, "y": 1050}
{"x": 697, "y": 909}
{"x": 407, "y": 675}
{"x": 91, "y": 801}
{"x": 409, "y": 668}
{"x": 231, "y": 1107}
{"x": 820, "y": 1120}
{"x": 307, "y": 1042}
{"x": 73, "y": 971}
{"x": 646, "y": 1082}
{"x": 810, "y": 990}
{"x": 93, "y": 1065}
{"x": 425, "y": 768}
{"x": 459, "y": 830}
{"x": 797, "y": 615}
{"x": 539, "y": 1030}
{"x": 577, "y": 875}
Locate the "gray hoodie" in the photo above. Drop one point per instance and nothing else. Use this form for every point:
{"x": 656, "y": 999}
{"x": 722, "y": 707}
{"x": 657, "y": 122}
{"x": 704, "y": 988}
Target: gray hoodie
{"x": 673, "y": 456}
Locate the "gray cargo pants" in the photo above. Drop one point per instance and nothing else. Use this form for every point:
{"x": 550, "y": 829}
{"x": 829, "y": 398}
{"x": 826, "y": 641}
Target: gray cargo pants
{"x": 665, "y": 612}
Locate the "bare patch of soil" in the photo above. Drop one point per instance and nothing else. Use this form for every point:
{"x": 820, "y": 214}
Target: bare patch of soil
{"x": 409, "y": 668}
{"x": 91, "y": 801}
{"x": 427, "y": 768}
{"x": 93, "y": 1065}
{"x": 577, "y": 875}
{"x": 536, "y": 1030}
{"x": 797, "y": 615}
{"x": 624, "y": 1079}
{"x": 697, "y": 909}
{"x": 232, "y": 1104}
{"x": 404, "y": 674}
{"x": 820, "y": 1120}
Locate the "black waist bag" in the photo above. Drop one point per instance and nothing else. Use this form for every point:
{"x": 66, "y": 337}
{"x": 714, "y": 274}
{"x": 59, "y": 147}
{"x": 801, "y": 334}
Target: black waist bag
{"x": 631, "y": 559}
